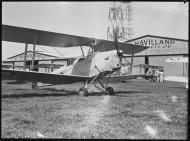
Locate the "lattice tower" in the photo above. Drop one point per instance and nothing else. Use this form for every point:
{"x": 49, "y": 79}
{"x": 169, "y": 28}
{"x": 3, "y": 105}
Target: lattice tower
{"x": 120, "y": 18}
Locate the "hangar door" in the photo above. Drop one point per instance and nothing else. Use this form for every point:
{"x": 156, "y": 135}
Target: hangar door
{"x": 136, "y": 61}
{"x": 170, "y": 69}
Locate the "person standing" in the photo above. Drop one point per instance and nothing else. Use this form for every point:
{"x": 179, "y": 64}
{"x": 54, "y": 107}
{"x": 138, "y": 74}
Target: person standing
{"x": 148, "y": 72}
{"x": 158, "y": 75}
{"x": 162, "y": 75}
{"x": 153, "y": 75}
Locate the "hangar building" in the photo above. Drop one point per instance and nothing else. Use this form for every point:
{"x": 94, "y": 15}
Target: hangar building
{"x": 160, "y": 49}
{"x": 40, "y": 58}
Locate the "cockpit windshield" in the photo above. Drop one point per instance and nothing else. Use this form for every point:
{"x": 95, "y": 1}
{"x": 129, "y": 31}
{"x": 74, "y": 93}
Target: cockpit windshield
{"x": 81, "y": 59}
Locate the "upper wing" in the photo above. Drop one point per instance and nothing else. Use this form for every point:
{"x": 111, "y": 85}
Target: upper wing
{"x": 23, "y": 35}
{"x": 31, "y": 76}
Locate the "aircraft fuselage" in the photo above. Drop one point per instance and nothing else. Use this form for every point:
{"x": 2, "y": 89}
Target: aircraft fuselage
{"x": 92, "y": 65}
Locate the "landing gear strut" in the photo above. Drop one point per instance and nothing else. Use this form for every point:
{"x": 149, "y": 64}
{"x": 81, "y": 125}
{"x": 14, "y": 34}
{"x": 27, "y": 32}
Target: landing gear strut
{"x": 93, "y": 83}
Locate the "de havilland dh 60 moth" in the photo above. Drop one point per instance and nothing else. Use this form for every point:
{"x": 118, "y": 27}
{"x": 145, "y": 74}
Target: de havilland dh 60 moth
{"x": 103, "y": 59}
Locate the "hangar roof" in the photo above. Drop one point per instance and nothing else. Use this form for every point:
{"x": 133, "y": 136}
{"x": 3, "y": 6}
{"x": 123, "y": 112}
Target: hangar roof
{"x": 157, "y": 37}
{"x": 31, "y": 52}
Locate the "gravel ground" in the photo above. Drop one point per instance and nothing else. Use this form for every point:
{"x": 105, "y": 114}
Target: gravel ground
{"x": 139, "y": 110}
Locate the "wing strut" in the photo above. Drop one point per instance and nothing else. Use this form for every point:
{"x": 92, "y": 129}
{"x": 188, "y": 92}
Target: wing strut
{"x": 34, "y": 47}
{"x": 82, "y": 50}
{"x": 132, "y": 61}
{"x": 25, "y": 53}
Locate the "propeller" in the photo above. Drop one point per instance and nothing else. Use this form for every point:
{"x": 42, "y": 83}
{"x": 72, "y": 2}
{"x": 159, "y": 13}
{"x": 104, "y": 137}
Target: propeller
{"x": 119, "y": 52}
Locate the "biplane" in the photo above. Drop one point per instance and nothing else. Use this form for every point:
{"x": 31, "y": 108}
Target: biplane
{"x": 151, "y": 71}
{"x": 149, "y": 66}
{"x": 95, "y": 69}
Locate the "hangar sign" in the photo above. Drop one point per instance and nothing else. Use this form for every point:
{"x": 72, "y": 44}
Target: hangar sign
{"x": 161, "y": 45}
{"x": 156, "y": 43}
{"x": 29, "y": 56}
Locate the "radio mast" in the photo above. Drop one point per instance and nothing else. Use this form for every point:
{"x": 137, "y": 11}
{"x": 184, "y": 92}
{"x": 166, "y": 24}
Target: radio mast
{"x": 120, "y": 19}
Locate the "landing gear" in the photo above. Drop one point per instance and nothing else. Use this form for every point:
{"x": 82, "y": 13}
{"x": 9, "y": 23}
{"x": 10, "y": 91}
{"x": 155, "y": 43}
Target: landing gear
{"x": 97, "y": 83}
{"x": 34, "y": 86}
{"x": 110, "y": 91}
{"x": 83, "y": 91}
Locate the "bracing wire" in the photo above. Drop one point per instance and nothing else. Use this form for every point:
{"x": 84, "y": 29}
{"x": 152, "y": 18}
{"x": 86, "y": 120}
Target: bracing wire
{"x": 44, "y": 50}
{"x": 50, "y": 53}
{"x": 59, "y": 53}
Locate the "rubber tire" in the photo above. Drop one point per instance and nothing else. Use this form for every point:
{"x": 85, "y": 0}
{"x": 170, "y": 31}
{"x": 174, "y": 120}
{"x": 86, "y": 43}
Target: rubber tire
{"x": 34, "y": 86}
{"x": 110, "y": 91}
{"x": 83, "y": 91}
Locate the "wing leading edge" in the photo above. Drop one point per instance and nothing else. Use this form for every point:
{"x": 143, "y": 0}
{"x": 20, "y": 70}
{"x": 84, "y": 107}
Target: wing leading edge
{"x": 46, "y": 38}
{"x": 31, "y": 76}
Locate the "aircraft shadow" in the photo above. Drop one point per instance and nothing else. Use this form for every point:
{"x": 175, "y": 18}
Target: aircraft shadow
{"x": 25, "y": 95}
{"x": 52, "y": 93}
{"x": 63, "y": 92}
{"x": 46, "y": 89}
{"x": 117, "y": 93}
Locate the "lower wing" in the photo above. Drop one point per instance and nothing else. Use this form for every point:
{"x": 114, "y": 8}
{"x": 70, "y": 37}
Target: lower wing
{"x": 32, "y": 76}
{"x": 122, "y": 78}
{"x": 35, "y": 66}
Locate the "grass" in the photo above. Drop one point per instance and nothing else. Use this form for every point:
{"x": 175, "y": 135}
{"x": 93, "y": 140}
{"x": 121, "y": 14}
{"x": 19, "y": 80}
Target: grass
{"x": 57, "y": 112}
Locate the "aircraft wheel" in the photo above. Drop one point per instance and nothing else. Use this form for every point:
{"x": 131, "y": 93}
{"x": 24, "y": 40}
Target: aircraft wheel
{"x": 110, "y": 90}
{"x": 83, "y": 92}
{"x": 34, "y": 86}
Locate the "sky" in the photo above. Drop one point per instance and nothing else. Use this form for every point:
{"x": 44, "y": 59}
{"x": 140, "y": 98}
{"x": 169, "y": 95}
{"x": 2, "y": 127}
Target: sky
{"x": 90, "y": 19}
